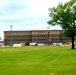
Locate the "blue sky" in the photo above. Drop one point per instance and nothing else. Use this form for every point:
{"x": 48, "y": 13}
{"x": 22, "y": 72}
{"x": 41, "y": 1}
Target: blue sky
{"x": 25, "y": 14}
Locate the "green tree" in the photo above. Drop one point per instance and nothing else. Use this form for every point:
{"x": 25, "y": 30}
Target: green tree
{"x": 65, "y": 16}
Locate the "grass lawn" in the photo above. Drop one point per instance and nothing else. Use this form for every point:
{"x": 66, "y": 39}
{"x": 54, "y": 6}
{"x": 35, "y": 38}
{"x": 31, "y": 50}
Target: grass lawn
{"x": 38, "y": 61}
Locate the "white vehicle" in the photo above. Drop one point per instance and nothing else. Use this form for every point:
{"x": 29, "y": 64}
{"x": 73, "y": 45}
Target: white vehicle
{"x": 41, "y": 44}
{"x": 33, "y": 44}
{"x": 16, "y": 45}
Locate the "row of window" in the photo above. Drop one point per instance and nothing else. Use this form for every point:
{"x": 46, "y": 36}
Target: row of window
{"x": 61, "y": 39}
{"x": 27, "y": 36}
{"x": 19, "y": 40}
{"x": 41, "y": 39}
{"x": 40, "y": 36}
{"x": 12, "y": 32}
{"x": 19, "y": 36}
{"x": 40, "y": 32}
{"x": 24, "y": 32}
{"x": 28, "y": 40}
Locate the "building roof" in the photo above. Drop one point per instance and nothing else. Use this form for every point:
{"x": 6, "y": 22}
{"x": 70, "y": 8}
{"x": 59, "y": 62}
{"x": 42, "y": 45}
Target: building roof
{"x": 32, "y": 30}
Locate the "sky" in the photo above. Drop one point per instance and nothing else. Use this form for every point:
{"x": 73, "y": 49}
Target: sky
{"x": 26, "y": 14}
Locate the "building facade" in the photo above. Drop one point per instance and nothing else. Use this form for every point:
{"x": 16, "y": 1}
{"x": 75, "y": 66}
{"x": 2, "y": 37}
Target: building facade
{"x": 35, "y": 36}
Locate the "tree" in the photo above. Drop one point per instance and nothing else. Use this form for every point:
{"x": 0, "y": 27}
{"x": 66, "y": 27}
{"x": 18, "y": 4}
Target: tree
{"x": 0, "y": 38}
{"x": 65, "y": 16}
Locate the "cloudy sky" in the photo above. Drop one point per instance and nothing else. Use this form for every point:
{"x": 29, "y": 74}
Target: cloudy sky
{"x": 25, "y": 14}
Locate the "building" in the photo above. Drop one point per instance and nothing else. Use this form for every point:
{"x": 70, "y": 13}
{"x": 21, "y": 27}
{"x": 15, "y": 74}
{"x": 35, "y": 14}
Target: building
{"x": 35, "y": 36}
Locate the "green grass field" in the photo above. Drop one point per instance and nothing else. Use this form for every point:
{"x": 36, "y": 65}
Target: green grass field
{"x": 37, "y": 61}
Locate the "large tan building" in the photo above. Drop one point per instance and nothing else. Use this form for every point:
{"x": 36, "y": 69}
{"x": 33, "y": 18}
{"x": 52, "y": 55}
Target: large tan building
{"x": 35, "y": 36}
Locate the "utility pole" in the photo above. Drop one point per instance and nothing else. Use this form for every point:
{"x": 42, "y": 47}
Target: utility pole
{"x": 11, "y": 35}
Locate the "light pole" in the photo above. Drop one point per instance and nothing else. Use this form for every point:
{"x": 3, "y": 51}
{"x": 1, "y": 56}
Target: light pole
{"x": 11, "y": 35}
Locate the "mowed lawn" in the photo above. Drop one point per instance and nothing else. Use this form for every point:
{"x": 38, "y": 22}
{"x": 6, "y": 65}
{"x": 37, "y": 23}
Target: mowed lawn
{"x": 38, "y": 60}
